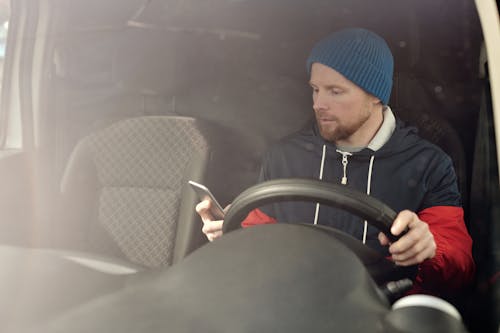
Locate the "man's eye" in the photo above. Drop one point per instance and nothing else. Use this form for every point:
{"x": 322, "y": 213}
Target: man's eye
{"x": 336, "y": 91}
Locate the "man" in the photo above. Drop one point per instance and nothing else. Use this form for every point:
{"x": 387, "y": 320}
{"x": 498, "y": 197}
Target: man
{"x": 356, "y": 141}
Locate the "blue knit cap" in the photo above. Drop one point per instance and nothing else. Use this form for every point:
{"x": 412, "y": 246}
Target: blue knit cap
{"x": 361, "y": 56}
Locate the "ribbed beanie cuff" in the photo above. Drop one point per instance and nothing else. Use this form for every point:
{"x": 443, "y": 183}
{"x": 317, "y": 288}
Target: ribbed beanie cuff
{"x": 361, "y": 56}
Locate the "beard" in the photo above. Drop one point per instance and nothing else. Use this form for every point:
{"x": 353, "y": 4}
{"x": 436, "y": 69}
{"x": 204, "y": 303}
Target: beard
{"x": 333, "y": 130}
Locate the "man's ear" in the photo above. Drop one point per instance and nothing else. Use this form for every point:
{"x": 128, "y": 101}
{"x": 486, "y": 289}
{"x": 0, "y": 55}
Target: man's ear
{"x": 375, "y": 100}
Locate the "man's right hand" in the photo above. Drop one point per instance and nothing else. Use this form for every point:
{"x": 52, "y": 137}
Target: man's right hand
{"x": 211, "y": 228}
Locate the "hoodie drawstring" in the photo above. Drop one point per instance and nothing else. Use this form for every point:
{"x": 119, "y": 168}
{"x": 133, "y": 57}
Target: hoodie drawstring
{"x": 344, "y": 182}
{"x": 316, "y": 213}
{"x": 368, "y": 189}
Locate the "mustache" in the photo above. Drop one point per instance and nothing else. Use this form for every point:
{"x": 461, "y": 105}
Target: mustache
{"x": 325, "y": 116}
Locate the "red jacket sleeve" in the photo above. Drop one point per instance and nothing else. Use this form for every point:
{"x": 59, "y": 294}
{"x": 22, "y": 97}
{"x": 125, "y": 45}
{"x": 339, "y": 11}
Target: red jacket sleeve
{"x": 452, "y": 267}
{"x": 256, "y": 217}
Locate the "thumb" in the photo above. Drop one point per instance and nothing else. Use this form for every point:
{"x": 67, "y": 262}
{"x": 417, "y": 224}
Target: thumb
{"x": 203, "y": 209}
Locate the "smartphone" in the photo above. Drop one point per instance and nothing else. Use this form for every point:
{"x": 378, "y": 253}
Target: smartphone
{"x": 203, "y": 194}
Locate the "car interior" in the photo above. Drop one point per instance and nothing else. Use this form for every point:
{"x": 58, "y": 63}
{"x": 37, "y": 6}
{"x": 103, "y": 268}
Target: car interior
{"x": 120, "y": 103}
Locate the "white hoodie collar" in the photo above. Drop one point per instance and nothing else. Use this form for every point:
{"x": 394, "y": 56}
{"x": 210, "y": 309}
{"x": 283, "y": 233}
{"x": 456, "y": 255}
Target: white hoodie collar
{"x": 385, "y": 131}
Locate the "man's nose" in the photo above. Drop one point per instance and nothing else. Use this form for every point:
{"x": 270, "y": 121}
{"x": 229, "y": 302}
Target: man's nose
{"x": 318, "y": 102}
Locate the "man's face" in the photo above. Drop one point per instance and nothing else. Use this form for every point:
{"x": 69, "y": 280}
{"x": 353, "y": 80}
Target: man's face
{"x": 341, "y": 108}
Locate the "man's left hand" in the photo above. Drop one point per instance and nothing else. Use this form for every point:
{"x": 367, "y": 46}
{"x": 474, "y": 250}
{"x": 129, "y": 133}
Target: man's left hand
{"x": 415, "y": 246}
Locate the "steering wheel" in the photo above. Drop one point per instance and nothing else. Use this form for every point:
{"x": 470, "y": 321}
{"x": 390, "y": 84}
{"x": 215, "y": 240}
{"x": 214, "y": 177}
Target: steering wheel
{"x": 297, "y": 189}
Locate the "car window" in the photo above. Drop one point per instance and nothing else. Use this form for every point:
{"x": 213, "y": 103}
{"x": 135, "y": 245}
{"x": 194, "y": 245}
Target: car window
{"x": 11, "y": 132}
{"x": 74, "y": 69}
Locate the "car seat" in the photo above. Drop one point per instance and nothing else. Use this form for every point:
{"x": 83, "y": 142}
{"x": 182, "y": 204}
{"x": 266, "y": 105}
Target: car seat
{"x": 415, "y": 101}
{"x": 125, "y": 191}
{"x": 439, "y": 131}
